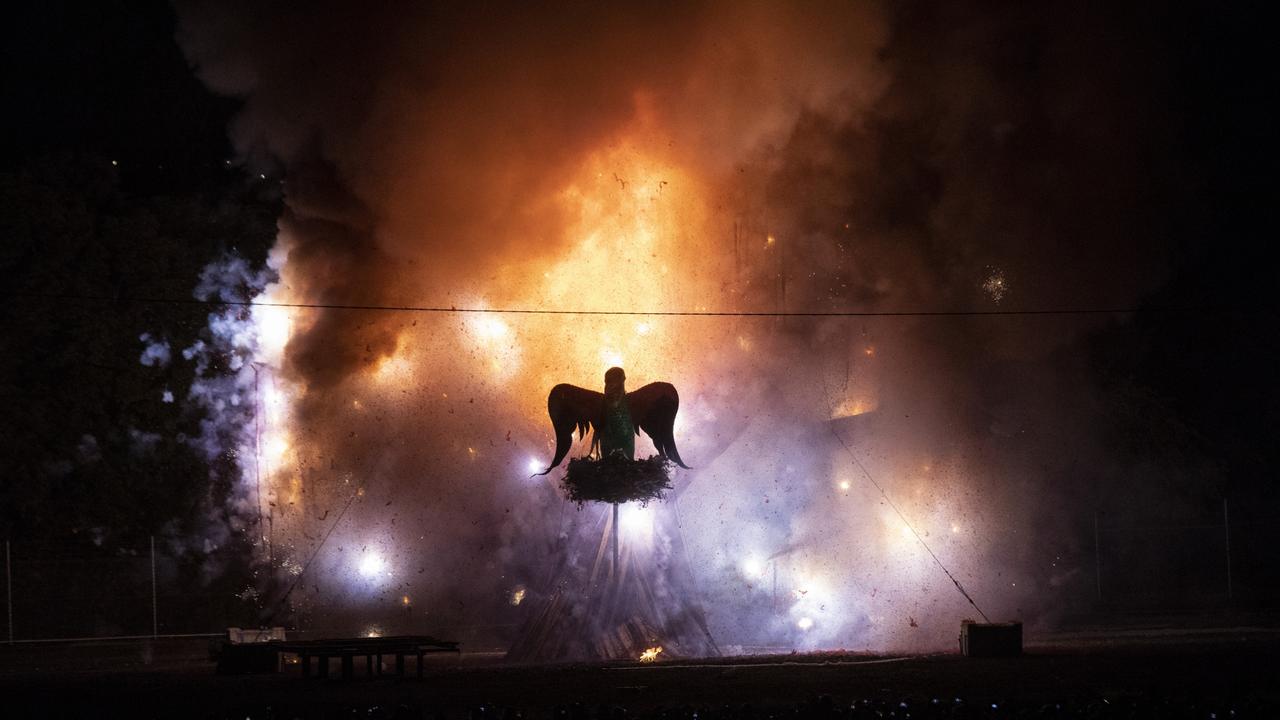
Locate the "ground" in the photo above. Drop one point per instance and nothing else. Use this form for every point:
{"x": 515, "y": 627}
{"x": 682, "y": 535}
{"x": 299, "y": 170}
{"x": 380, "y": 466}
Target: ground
{"x": 1205, "y": 672}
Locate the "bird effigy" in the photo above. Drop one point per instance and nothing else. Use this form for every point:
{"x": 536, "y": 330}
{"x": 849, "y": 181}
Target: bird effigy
{"x": 643, "y": 602}
{"x": 615, "y": 418}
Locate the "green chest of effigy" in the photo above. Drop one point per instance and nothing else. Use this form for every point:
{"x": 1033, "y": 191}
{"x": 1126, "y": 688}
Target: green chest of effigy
{"x": 618, "y": 433}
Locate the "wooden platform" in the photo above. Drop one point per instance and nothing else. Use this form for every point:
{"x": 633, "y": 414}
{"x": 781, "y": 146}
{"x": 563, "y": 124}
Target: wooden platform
{"x": 265, "y": 657}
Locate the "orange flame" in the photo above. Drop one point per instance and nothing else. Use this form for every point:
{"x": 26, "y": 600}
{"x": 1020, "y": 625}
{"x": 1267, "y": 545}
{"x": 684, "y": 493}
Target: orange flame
{"x": 650, "y": 655}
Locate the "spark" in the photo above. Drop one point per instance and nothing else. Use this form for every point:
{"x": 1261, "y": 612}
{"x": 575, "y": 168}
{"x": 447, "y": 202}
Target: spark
{"x": 489, "y": 328}
{"x": 955, "y": 529}
{"x": 373, "y": 631}
{"x": 995, "y": 284}
{"x": 276, "y": 448}
{"x": 770, "y": 240}
{"x": 805, "y": 623}
{"x": 851, "y": 406}
{"x": 643, "y": 328}
{"x": 845, "y": 485}
{"x": 274, "y": 328}
{"x": 391, "y": 367}
{"x": 752, "y": 567}
{"x": 404, "y": 600}
{"x": 371, "y": 565}
{"x": 276, "y": 403}
{"x": 533, "y": 465}
{"x": 636, "y": 521}
{"x": 517, "y": 596}
{"x": 651, "y": 654}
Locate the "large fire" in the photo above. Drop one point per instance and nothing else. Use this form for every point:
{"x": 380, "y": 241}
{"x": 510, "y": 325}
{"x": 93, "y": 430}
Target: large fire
{"x": 464, "y": 220}
{"x": 633, "y": 218}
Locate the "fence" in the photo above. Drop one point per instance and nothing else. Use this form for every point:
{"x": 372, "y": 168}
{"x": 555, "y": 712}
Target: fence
{"x": 87, "y": 591}
{"x": 1221, "y": 559}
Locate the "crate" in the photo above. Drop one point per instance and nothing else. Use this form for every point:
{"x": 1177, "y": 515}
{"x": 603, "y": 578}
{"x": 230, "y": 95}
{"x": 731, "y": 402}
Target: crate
{"x": 990, "y": 639}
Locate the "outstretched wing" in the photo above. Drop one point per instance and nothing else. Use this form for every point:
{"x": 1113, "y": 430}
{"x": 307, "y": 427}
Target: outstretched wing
{"x": 653, "y": 409}
{"x": 572, "y": 407}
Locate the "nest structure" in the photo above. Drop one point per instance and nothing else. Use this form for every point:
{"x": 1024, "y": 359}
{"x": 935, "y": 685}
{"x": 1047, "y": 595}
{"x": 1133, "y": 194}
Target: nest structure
{"x": 615, "y": 479}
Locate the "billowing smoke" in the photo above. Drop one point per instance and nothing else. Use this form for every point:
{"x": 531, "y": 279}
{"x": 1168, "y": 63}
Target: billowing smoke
{"x": 226, "y": 388}
{"x": 824, "y": 157}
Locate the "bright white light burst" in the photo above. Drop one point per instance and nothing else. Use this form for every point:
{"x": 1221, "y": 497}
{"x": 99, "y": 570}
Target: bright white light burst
{"x": 274, "y": 327}
{"x": 371, "y": 565}
{"x": 636, "y": 521}
{"x": 489, "y": 328}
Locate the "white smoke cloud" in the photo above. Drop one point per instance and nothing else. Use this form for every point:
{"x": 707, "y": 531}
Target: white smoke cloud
{"x": 156, "y": 352}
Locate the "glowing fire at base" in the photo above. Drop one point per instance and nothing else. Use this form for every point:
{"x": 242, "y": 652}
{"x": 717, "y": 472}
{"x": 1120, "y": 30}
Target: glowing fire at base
{"x": 651, "y": 654}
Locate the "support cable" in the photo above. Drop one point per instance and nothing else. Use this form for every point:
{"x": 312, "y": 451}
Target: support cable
{"x": 623, "y": 313}
{"x": 903, "y": 518}
{"x": 301, "y": 574}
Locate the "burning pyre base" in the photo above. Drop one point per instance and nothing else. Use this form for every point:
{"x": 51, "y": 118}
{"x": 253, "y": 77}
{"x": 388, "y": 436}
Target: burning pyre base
{"x": 645, "y": 608}
{"x": 615, "y": 479}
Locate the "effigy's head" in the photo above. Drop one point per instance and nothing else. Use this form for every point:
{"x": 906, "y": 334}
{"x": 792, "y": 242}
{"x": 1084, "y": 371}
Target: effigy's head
{"x": 613, "y": 380}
